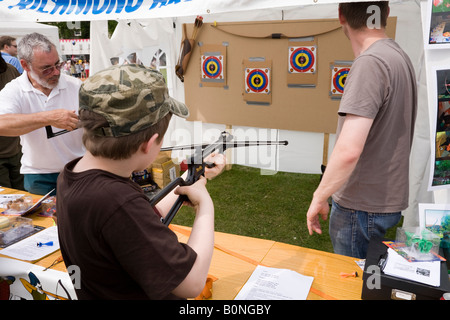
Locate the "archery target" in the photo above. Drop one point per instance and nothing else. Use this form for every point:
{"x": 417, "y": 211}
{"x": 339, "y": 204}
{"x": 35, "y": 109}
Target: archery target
{"x": 302, "y": 59}
{"x": 257, "y": 80}
{"x": 212, "y": 67}
{"x": 338, "y": 78}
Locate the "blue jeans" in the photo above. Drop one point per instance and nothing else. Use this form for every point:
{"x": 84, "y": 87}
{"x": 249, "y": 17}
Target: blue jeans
{"x": 40, "y": 183}
{"x": 351, "y": 230}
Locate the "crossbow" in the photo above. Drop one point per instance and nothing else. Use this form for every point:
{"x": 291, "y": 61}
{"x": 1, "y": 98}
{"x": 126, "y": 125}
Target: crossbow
{"x": 197, "y": 164}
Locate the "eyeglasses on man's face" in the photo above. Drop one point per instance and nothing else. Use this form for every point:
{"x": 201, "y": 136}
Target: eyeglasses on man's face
{"x": 49, "y": 70}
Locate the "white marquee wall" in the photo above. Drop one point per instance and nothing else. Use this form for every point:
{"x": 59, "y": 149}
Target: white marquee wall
{"x": 149, "y": 29}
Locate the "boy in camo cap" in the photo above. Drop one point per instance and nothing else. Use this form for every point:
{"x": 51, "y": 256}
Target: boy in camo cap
{"x": 106, "y": 225}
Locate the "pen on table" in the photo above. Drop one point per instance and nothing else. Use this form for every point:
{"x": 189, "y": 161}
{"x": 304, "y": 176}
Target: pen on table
{"x": 40, "y": 244}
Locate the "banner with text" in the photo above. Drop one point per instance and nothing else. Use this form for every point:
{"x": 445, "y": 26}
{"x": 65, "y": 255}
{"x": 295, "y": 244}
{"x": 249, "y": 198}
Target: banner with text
{"x": 88, "y": 10}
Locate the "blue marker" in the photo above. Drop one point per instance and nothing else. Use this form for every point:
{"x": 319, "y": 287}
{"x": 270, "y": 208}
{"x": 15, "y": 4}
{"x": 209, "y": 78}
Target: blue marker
{"x": 40, "y": 244}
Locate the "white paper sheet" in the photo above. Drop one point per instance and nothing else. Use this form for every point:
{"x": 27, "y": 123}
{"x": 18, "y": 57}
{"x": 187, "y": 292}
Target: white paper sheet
{"x": 275, "y": 284}
{"x": 27, "y": 248}
{"x": 424, "y": 272}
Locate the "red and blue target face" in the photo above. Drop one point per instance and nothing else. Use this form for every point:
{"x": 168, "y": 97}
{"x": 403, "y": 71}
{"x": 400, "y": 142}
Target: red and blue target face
{"x": 212, "y": 67}
{"x": 302, "y": 59}
{"x": 257, "y": 80}
{"x": 338, "y": 79}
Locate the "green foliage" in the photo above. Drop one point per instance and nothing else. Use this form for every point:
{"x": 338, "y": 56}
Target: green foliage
{"x": 67, "y": 31}
{"x": 445, "y": 223}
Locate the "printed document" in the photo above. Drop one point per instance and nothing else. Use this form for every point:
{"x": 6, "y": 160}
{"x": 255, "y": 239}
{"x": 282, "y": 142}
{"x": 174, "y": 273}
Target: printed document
{"x": 27, "y": 248}
{"x": 428, "y": 272}
{"x": 275, "y": 284}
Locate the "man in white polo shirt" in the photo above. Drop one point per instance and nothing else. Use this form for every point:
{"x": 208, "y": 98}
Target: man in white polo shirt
{"x": 41, "y": 97}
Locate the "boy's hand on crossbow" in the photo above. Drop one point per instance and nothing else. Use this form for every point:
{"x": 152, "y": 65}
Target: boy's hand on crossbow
{"x": 197, "y": 193}
{"x": 218, "y": 160}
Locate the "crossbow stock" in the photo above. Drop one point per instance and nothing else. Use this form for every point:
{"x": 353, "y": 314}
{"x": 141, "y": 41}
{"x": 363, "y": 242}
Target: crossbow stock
{"x": 197, "y": 164}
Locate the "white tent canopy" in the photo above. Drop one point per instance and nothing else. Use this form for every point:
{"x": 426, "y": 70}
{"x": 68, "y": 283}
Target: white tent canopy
{"x": 19, "y": 29}
{"x": 145, "y": 26}
{"x": 70, "y": 10}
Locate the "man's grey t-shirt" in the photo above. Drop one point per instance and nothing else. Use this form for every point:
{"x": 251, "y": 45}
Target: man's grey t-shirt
{"x": 381, "y": 85}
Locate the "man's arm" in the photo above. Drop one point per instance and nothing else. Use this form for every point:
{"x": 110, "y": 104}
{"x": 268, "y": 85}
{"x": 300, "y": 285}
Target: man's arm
{"x": 15, "y": 124}
{"x": 343, "y": 160}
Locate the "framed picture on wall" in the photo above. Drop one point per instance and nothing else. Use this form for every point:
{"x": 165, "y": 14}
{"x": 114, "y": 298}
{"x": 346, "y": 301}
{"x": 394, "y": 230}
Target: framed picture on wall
{"x": 435, "y": 217}
{"x": 438, "y": 22}
{"x": 440, "y": 165}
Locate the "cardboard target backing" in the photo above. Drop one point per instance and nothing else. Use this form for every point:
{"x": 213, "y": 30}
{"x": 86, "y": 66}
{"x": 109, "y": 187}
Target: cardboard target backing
{"x": 302, "y": 62}
{"x": 338, "y": 76}
{"x": 213, "y": 65}
{"x": 298, "y": 101}
{"x": 257, "y": 82}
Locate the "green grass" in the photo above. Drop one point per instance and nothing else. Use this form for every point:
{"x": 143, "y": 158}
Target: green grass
{"x": 263, "y": 206}
{"x": 270, "y": 207}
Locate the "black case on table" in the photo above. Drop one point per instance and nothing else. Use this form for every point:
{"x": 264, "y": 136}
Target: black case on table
{"x": 394, "y": 288}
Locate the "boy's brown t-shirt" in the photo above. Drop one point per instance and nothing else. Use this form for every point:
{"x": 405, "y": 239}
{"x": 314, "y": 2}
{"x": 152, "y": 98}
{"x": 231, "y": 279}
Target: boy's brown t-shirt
{"x": 108, "y": 229}
{"x": 381, "y": 85}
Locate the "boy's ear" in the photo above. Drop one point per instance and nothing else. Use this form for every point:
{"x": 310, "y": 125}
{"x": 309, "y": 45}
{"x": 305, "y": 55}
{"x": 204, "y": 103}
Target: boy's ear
{"x": 150, "y": 143}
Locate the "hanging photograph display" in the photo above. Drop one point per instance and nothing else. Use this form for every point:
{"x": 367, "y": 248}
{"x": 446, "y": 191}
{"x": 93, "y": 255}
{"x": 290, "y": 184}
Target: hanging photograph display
{"x": 438, "y": 24}
{"x": 436, "y": 218}
{"x": 339, "y": 73}
{"x": 441, "y": 165}
{"x": 257, "y": 81}
{"x": 213, "y": 65}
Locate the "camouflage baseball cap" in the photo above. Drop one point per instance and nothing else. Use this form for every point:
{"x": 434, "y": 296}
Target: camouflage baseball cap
{"x": 130, "y": 97}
